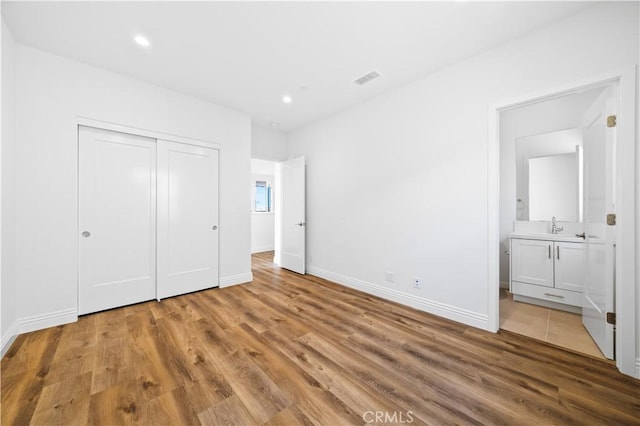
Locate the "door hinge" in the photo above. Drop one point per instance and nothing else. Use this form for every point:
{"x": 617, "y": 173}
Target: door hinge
{"x": 611, "y": 121}
{"x": 611, "y": 318}
{"x": 611, "y": 219}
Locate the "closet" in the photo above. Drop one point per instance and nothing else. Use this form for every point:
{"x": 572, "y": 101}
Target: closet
{"x": 148, "y": 218}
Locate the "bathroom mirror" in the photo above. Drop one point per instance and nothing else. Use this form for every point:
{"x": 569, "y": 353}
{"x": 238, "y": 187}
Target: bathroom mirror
{"x": 549, "y": 176}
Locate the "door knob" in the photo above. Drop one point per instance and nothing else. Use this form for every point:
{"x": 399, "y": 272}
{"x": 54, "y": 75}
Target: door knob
{"x": 214, "y": 227}
{"x": 300, "y": 224}
{"x": 86, "y": 234}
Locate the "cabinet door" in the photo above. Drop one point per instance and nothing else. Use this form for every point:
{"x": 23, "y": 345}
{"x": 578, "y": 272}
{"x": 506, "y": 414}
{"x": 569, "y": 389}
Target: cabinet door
{"x": 187, "y": 218}
{"x": 569, "y": 266}
{"x": 532, "y": 262}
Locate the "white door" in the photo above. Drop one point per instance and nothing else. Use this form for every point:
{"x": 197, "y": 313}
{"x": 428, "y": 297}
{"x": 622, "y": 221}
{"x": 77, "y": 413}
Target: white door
{"x": 292, "y": 216}
{"x": 117, "y": 219}
{"x": 599, "y": 151}
{"x": 187, "y": 218}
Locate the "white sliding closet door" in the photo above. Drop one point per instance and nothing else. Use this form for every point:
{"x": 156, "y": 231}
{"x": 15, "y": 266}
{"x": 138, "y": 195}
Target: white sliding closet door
{"x": 117, "y": 219}
{"x": 187, "y": 218}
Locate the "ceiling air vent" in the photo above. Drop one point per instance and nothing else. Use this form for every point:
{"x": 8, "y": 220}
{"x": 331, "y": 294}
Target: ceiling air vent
{"x": 367, "y": 78}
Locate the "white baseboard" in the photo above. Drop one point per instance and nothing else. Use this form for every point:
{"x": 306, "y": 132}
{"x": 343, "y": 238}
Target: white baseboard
{"x": 637, "y": 368}
{"x": 9, "y": 338}
{"x": 37, "y": 322}
{"x": 261, "y": 249}
{"x": 473, "y": 319}
{"x": 51, "y": 319}
{"x": 504, "y": 284}
{"x": 236, "y": 279}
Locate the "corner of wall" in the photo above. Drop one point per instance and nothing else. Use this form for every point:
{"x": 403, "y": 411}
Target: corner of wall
{"x": 8, "y": 287}
{"x": 8, "y": 338}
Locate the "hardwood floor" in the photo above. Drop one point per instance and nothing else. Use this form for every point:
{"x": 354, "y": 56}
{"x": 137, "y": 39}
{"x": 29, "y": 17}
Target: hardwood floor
{"x": 298, "y": 350}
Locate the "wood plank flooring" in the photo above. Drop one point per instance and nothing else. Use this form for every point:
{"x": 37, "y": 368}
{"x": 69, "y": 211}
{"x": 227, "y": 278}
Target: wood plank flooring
{"x": 298, "y": 350}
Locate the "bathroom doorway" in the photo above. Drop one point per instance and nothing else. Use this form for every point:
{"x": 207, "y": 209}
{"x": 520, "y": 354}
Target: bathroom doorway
{"x": 541, "y": 177}
{"x": 623, "y": 267}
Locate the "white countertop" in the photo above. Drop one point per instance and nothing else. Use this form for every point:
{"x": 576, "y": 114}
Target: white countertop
{"x": 569, "y": 238}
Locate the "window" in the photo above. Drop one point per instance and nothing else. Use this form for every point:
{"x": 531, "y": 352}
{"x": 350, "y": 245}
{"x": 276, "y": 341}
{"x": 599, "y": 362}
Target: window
{"x": 263, "y": 196}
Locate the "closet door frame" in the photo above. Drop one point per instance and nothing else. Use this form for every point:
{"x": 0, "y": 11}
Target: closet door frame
{"x": 136, "y": 131}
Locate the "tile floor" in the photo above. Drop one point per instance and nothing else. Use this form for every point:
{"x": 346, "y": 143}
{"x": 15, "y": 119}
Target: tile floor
{"x": 549, "y": 325}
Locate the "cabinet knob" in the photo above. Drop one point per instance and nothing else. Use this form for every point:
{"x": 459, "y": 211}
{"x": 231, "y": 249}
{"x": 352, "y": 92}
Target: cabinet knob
{"x": 214, "y": 227}
{"x": 86, "y": 234}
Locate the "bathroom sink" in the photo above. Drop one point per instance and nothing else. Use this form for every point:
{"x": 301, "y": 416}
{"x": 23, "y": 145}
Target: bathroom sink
{"x": 548, "y": 236}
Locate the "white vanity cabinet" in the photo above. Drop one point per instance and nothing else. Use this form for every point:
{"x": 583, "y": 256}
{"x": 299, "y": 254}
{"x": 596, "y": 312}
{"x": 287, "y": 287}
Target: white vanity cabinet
{"x": 548, "y": 270}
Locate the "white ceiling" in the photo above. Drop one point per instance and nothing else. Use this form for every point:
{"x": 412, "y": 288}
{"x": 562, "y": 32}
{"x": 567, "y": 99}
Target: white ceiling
{"x": 247, "y": 55}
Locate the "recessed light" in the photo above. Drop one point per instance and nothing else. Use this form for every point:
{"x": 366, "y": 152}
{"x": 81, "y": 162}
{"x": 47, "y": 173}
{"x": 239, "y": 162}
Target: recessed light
{"x": 274, "y": 124}
{"x": 287, "y": 99}
{"x": 142, "y": 40}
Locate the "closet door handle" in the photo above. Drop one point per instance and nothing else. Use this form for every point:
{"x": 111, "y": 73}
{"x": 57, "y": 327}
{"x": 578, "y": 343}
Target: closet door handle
{"x": 558, "y": 252}
{"x": 549, "y": 247}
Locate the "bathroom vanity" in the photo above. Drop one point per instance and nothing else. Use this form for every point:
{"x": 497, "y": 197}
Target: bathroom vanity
{"x": 547, "y": 269}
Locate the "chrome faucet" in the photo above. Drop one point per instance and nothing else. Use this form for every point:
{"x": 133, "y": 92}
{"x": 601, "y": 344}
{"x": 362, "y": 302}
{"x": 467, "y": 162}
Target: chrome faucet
{"x": 554, "y": 227}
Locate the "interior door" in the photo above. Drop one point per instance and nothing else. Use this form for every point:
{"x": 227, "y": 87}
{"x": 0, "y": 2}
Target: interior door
{"x": 599, "y": 186}
{"x": 117, "y": 219}
{"x": 293, "y": 223}
{"x": 187, "y": 218}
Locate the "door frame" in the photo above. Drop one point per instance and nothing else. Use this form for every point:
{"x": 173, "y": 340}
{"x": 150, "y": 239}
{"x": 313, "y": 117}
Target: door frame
{"x": 626, "y": 280}
{"x": 123, "y": 128}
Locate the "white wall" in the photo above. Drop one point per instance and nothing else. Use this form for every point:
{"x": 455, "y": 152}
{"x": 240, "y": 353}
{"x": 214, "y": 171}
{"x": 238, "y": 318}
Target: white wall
{"x": 51, "y": 93}
{"x": 399, "y": 183}
{"x": 557, "y": 114}
{"x": 268, "y": 143}
{"x": 263, "y": 227}
{"x": 8, "y": 202}
{"x": 262, "y": 223}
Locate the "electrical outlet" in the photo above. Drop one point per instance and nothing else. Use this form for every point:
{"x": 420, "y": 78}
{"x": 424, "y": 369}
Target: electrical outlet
{"x": 388, "y": 277}
{"x": 417, "y": 283}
